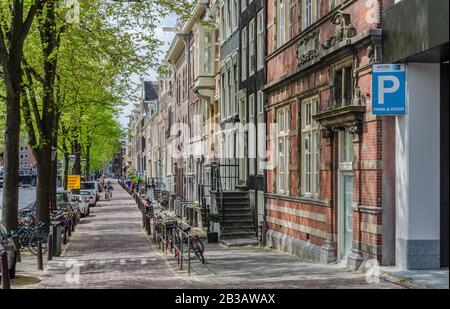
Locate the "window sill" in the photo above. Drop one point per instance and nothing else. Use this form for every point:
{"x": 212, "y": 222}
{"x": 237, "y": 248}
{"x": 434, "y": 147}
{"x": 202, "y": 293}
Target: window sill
{"x": 298, "y": 199}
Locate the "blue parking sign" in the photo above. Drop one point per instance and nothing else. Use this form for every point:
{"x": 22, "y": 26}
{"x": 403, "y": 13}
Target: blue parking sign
{"x": 389, "y": 89}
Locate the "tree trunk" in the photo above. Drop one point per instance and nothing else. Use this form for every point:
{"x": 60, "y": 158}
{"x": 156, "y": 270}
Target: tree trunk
{"x": 11, "y": 156}
{"x": 88, "y": 159}
{"x": 43, "y": 185}
{"x": 66, "y": 169}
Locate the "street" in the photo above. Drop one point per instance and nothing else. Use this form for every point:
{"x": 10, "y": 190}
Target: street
{"x": 110, "y": 250}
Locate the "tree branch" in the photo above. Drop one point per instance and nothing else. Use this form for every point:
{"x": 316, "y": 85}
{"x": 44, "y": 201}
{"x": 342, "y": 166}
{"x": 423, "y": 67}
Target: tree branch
{"x": 34, "y": 101}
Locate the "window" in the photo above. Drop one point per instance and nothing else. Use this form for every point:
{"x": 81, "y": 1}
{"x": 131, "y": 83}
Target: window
{"x": 251, "y": 43}
{"x": 347, "y": 151}
{"x": 251, "y": 107}
{"x": 260, "y": 40}
{"x": 223, "y": 97}
{"x": 222, "y": 24}
{"x": 310, "y": 12}
{"x": 343, "y": 86}
{"x": 244, "y": 54}
{"x": 261, "y": 138}
{"x": 229, "y": 18}
{"x": 310, "y": 148}
{"x": 283, "y": 150}
{"x": 235, "y": 14}
{"x": 235, "y": 89}
{"x": 260, "y": 109}
{"x": 281, "y": 23}
{"x": 334, "y": 4}
{"x": 251, "y": 141}
{"x": 243, "y": 5}
{"x": 204, "y": 51}
{"x": 230, "y": 96}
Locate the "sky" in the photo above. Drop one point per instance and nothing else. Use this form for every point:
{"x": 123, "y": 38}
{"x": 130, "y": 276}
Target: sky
{"x": 165, "y": 37}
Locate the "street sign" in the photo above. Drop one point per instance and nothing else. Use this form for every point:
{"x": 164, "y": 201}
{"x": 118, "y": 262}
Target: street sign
{"x": 389, "y": 89}
{"x": 73, "y": 182}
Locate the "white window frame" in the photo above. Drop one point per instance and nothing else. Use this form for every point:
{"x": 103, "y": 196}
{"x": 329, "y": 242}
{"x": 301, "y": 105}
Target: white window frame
{"x": 311, "y": 7}
{"x": 260, "y": 40}
{"x": 252, "y": 143}
{"x": 244, "y": 55}
{"x": 260, "y": 141}
{"x": 281, "y": 12}
{"x": 243, "y": 5}
{"x": 222, "y": 23}
{"x": 282, "y": 171}
{"x": 310, "y": 148}
{"x": 251, "y": 46}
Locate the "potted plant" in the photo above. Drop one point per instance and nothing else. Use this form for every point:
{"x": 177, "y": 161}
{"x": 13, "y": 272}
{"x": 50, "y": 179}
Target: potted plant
{"x": 213, "y": 237}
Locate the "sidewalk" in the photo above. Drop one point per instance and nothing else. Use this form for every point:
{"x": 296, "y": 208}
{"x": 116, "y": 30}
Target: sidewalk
{"x": 435, "y": 279}
{"x": 255, "y": 267}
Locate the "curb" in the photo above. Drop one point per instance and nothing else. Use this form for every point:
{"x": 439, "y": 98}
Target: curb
{"x": 402, "y": 281}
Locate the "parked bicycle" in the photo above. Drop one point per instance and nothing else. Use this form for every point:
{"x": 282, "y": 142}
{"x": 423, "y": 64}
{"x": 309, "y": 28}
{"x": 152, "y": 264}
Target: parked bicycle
{"x": 29, "y": 237}
{"x": 196, "y": 245}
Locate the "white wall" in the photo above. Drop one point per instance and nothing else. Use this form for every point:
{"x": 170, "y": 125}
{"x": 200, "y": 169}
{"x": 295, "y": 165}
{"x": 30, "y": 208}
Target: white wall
{"x": 417, "y": 171}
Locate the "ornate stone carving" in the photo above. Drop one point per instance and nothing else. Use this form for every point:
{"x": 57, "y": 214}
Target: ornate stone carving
{"x": 371, "y": 53}
{"x": 359, "y": 98}
{"x": 308, "y": 48}
{"x": 344, "y": 29}
{"x": 355, "y": 129}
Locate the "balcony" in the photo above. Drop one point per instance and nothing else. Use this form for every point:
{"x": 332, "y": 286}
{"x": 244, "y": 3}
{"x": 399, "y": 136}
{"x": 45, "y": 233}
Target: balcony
{"x": 205, "y": 85}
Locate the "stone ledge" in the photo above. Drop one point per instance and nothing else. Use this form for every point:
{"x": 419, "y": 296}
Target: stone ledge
{"x": 293, "y": 246}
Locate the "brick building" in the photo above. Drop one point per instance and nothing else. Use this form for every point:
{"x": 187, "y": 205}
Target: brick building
{"x": 325, "y": 194}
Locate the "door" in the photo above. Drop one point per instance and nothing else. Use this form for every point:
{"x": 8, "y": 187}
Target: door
{"x": 345, "y": 195}
{"x": 345, "y": 215}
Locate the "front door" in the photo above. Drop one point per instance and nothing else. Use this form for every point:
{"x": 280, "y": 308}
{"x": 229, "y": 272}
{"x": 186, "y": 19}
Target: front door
{"x": 345, "y": 195}
{"x": 346, "y": 215}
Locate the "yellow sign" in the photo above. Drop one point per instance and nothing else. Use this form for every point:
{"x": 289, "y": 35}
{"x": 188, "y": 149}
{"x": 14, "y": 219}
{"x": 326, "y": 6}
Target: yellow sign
{"x": 73, "y": 182}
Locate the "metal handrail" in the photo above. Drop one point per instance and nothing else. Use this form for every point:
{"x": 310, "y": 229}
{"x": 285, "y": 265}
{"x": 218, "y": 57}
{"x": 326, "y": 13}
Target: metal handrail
{"x": 173, "y": 239}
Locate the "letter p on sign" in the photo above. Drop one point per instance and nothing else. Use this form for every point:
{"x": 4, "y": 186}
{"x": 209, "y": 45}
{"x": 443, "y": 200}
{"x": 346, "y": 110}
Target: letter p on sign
{"x": 389, "y": 90}
{"x": 384, "y": 88}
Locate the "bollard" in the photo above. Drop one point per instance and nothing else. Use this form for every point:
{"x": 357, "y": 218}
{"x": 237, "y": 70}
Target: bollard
{"x": 65, "y": 236}
{"x": 189, "y": 255}
{"x": 69, "y": 228}
{"x": 147, "y": 224}
{"x": 74, "y": 222}
{"x": 182, "y": 252}
{"x": 6, "y": 284}
{"x": 50, "y": 247}
{"x": 40, "y": 262}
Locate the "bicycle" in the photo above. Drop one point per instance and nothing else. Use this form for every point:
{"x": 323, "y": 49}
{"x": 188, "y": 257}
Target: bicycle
{"x": 108, "y": 195}
{"x": 29, "y": 237}
{"x": 196, "y": 245}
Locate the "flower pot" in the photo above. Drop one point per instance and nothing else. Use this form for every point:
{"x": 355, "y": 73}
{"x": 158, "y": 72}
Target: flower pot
{"x": 212, "y": 237}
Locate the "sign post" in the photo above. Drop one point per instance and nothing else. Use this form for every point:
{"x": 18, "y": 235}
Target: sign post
{"x": 73, "y": 182}
{"x": 389, "y": 89}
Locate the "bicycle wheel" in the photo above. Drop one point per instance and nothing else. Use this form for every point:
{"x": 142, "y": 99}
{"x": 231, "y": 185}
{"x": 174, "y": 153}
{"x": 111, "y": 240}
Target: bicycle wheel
{"x": 198, "y": 249}
{"x": 33, "y": 244}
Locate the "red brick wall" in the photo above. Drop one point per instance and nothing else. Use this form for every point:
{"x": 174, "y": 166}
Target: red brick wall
{"x": 368, "y": 148}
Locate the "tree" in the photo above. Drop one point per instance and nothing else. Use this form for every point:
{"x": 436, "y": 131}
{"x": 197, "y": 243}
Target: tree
{"x": 107, "y": 30}
{"x": 16, "y": 18}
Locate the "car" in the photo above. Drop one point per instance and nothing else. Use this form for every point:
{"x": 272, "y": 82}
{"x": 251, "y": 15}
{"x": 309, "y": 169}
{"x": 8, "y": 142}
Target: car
{"x": 83, "y": 204}
{"x": 89, "y": 196}
{"x": 7, "y": 243}
{"x": 91, "y": 185}
{"x": 64, "y": 200}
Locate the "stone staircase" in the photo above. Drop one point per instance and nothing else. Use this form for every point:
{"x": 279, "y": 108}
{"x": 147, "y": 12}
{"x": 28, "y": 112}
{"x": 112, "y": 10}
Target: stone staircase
{"x": 238, "y": 221}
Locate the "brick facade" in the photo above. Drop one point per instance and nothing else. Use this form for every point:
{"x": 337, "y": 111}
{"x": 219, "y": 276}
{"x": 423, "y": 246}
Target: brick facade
{"x": 314, "y": 222}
